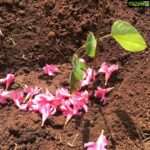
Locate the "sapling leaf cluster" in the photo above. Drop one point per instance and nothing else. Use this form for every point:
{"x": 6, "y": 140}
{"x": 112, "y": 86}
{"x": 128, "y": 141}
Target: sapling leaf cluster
{"x": 123, "y": 32}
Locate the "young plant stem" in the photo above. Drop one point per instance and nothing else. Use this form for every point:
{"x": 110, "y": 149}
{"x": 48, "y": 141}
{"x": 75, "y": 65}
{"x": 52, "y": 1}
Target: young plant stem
{"x": 103, "y": 37}
{"x": 94, "y": 60}
{"x": 100, "y": 23}
{"x": 98, "y": 39}
{"x": 83, "y": 55}
{"x": 80, "y": 49}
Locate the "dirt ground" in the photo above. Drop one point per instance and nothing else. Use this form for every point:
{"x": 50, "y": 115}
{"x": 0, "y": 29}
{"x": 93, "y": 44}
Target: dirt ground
{"x": 37, "y": 32}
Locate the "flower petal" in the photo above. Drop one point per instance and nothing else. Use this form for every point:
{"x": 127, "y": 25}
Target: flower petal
{"x": 50, "y": 69}
{"x": 3, "y": 99}
{"x": 87, "y": 77}
{"x": 31, "y": 91}
{"x": 8, "y": 80}
{"x": 107, "y": 70}
{"x": 99, "y": 145}
{"x": 17, "y": 97}
{"x": 101, "y": 93}
{"x": 62, "y": 93}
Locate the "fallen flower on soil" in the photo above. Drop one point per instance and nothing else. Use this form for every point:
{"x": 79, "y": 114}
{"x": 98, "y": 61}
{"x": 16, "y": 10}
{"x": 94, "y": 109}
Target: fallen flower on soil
{"x": 31, "y": 91}
{"x": 107, "y": 70}
{"x": 24, "y": 107}
{"x": 80, "y": 101}
{"x": 8, "y": 80}
{"x": 62, "y": 93}
{"x": 46, "y": 110}
{"x": 87, "y": 77}
{"x": 47, "y": 104}
{"x": 17, "y": 97}
{"x": 76, "y": 102}
{"x": 50, "y": 69}
{"x": 43, "y": 103}
{"x": 101, "y": 93}
{"x": 67, "y": 111}
{"x": 100, "y": 144}
{"x": 3, "y": 99}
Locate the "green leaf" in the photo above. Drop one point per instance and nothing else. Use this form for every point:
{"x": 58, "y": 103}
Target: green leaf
{"x": 128, "y": 36}
{"x": 83, "y": 66}
{"x": 77, "y": 68}
{"x": 74, "y": 83}
{"x": 91, "y": 45}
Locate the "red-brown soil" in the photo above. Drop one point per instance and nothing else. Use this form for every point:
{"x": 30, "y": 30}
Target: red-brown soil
{"x": 50, "y": 31}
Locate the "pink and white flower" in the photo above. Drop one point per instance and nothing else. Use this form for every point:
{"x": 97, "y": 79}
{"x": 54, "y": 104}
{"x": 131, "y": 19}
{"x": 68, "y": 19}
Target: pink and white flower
{"x": 62, "y": 93}
{"x": 100, "y": 144}
{"x": 44, "y": 104}
{"x": 17, "y": 97}
{"x": 31, "y": 91}
{"x": 80, "y": 101}
{"x": 39, "y": 99}
{"x": 71, "y": 107}
{"x": 46, "y": 110}
{"x": 24, "y": 106}
{"x": 88, "y": 76}
{"x": 67, "y": 110}
{"x": 8, "y": 80}
{"x": 101, "y": 93}
{"x": 107, "y": 70}
{"x": 50, "y": 69}
{"x": 3, "y": 96}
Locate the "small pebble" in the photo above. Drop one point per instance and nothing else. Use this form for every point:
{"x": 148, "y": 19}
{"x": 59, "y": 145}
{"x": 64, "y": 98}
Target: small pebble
{"x": 51, "y": 34}
{"x": 21, "y": 12}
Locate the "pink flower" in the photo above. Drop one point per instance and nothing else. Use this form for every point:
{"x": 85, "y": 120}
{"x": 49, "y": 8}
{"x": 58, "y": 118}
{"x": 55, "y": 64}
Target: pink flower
{"x": 50, "y": 69}
{"x": 67, "y": 110}
{"x": 87, "y": 77}
{"x": 17, "y": 97}
{"x": 39, "y": 99}
{"x": 44, "y": 104}
{"x": 80, "y": 101}
{"x": 62, "y": 93}
{"x": 46, "y": 110}
{"x": 74, "y": 104}
{"x": 31, "y": 91}
{"x": 108, "y": 70}
{"x": 100, "y": 93}
{"x": 100, "y": 144}
{"x": 23, "y": 107}
{"x": 8, "y": 80}
{"x": 3, "y": 94}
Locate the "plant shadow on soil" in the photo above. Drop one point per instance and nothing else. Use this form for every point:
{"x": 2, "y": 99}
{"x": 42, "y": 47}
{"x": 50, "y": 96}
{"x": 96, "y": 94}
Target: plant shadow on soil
{"x": 133, "y": 130}
{"x": 86, "y": 131}
{"x": 130, "y": 126}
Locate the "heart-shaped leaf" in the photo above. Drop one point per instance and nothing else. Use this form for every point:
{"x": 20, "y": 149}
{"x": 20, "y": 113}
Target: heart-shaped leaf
{"x": 128, "y": 36}
{"x": 77, "y": 68}
{"x": 91, "y": 45}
